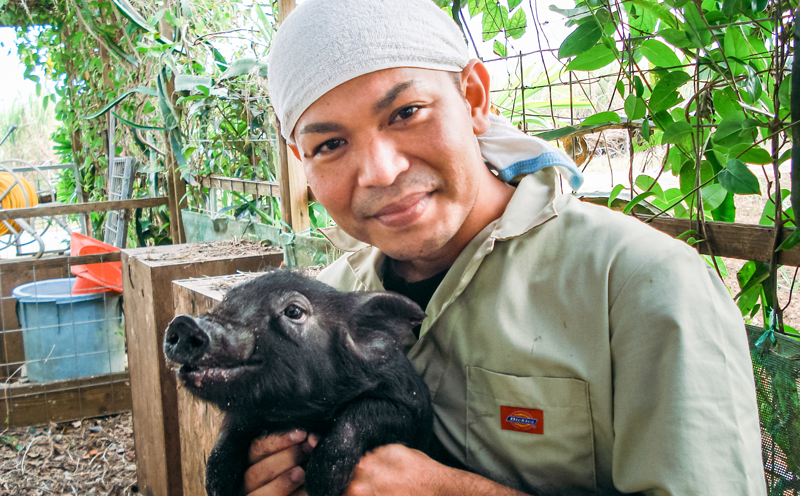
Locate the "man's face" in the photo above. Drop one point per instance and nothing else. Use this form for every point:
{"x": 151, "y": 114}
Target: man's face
{"x": 392, "y": 156}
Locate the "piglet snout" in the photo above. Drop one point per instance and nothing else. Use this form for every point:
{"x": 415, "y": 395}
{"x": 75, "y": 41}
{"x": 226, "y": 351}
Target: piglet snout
{"x": 185, "y": 342}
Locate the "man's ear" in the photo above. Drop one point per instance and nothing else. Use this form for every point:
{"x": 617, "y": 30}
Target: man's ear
{"x": 295, "y": 151}
{"x": 475, "y": 83}
{"x": 380, "y": 322}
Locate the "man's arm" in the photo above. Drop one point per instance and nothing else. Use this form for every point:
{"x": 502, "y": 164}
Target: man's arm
{"x": 685, "y": 415}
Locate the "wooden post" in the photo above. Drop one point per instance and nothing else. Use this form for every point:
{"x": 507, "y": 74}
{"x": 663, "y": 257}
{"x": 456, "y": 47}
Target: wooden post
{"x": 292, "y": 178}
{"x": 200, "y": 421}
{"x": 147, "y": 282}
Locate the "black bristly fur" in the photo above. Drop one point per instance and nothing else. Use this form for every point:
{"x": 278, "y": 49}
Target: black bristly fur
{"x": 339, "y": 372}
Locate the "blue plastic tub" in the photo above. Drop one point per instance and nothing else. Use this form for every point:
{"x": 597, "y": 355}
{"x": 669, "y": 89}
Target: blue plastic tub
{"x": 67, "y": 336}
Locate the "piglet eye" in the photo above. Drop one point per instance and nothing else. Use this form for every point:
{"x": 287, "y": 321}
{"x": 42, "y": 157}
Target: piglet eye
{"x": 294, "y": 312}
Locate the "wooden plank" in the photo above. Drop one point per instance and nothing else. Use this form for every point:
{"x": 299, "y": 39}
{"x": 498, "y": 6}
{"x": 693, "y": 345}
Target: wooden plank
{"x": 199, "y": 421}
{"x": 725, "y": 239}
{"x": 59, "y": 262}
{"x": 80, "y": 208}
{"x": 147, "y": 283}
{"x": 61, "y": 401}
{"x": 292, "y": 177}
{"x": 249, "y": 187}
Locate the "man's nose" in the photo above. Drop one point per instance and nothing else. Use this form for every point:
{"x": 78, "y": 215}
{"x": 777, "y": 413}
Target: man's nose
{"x": 381, "y": 163}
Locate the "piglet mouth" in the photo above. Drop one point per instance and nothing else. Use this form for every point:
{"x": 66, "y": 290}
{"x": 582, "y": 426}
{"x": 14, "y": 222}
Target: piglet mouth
{"x": 200, "y": 376}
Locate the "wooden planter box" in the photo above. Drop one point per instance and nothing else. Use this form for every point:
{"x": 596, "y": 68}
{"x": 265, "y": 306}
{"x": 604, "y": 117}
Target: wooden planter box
{"x": 148, "y": 274}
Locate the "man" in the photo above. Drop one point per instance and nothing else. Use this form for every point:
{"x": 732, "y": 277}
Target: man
{"x": 567, "y": 348}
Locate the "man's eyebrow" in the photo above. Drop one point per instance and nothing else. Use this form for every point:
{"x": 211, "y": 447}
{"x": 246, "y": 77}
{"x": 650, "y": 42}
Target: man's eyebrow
{"x": 391, "y": 96}
{"x": 322, "y": 127}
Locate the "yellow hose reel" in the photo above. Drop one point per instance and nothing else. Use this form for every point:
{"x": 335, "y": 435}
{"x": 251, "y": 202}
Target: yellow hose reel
{"x": 16, "y": 193}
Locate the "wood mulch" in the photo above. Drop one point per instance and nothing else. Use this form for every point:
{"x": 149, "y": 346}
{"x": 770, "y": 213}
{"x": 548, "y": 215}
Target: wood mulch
{"x": 89, "y": 457}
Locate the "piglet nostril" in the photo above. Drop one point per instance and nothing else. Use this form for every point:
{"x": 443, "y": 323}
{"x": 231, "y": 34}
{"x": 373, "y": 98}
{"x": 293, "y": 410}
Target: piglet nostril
{"x": 185, "y": 341}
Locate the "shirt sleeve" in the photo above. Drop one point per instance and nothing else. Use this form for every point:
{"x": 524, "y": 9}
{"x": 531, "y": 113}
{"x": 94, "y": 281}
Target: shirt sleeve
{"x": 685, "y": 414}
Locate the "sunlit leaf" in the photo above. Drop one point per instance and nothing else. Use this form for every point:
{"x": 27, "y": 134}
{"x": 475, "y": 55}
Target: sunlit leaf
{"x": 600, "y": 118}
{"x": 664, "y": 94}
{"x": 244, "y": 65}
{"x": 580, "y": 40}
{"x": 659, "y": 54}
{"x": 635, "y": 108}
{"x": 593, "y": 59}
{"x": 677, "y": 133}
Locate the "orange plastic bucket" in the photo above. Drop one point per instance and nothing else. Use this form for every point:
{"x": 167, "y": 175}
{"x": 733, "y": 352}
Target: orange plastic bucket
{"x": 97, "y": 277}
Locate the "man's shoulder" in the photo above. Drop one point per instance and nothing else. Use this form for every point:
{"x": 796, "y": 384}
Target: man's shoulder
{"x": 586, "y": 228}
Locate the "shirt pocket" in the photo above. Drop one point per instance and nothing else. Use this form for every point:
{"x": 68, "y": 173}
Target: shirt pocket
{"x": 557, "y": 454}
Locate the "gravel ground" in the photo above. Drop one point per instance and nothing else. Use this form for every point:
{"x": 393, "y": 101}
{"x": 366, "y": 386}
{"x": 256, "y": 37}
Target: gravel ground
{"x": 89, "y": 457}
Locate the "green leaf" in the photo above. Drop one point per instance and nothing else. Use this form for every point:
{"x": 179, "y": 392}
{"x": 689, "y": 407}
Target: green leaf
{"x": 494, "y": 18}
{"x": 746, "y": 153}
{"x": 188, "y": 82}
{"x": 645, "y": 183}
{"x": 621, "y": 88}
{"x": 132, "y": 14}
{"x": 676, "y": 37}
{"x": 659, "y": 54}
{"x": 732, "y": 7}
{"x": 677, "y": 133}
{"x": 727, "y": 133}
{"x": 244, "y": 65}
{"x": 614, "y": 194}
{"x": 738, "y": 179}
{"x": 595, "y": 58}
{"x": 791, "y": 241}
{"x": 713, "y": 196}
{"x": 139, "y": 89}
{"x": 726, "y": 212}
{"x": 138, "y": 126}
{"x": 697, "y": 31}
{"x": 784, "y": 91}
{"x": 582, "y": 39}
{"x": 573, "y": 15}
{"x": 635, "y": 201}
{"x": 516, "y": 24}
{"x": 659, "y": 11}
{"x": 646, "y": 129}
{"x": 726, "y": 106}
{"x": 664, "y": 94}
{"x": 752, "y": 87}
{"x": 601, "y": 118}
{"x": 557, "y": 133}
{"x": 512, "y": 4}
{"x": 635, "y": 108}
{"x": 736, "y": 47}
{"x": 500, "y": 49}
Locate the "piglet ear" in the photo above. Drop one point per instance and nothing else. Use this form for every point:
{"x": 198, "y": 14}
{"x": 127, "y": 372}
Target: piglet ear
{"x": 380, "y": 322}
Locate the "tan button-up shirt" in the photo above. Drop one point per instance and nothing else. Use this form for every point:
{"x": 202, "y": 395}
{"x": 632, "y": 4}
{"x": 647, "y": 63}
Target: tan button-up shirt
{"x": 572, "y": 348}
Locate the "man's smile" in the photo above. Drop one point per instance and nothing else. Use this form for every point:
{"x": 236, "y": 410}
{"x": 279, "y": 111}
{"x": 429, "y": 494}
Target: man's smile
{"x": 404, "y": 211}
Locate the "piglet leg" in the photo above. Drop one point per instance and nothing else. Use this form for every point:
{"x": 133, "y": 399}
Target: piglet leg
{"x": 362, "y": 427}
{"x": 228, "y": 460}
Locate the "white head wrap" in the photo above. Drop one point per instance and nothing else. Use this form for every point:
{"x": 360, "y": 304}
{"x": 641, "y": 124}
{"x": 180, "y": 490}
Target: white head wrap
{"x": 325, "y": 43}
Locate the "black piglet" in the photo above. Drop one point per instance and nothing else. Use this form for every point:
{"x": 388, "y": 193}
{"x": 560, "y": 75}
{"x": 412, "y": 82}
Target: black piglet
{"x": 283, "y": 352}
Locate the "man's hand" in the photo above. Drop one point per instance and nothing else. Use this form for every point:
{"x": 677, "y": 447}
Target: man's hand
{"x": 397, "y": 470}
{"x": 275, "y": 464}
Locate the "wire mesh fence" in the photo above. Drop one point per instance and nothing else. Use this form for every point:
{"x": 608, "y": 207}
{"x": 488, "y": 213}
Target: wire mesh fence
{"x": 62, "y": 344}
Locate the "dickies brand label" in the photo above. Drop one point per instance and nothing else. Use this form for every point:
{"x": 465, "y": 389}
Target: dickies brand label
{"x": 528, "y": 420}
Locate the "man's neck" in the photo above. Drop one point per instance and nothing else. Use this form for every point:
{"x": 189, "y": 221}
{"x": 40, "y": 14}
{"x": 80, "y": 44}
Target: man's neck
{"x": 490, "y": 203}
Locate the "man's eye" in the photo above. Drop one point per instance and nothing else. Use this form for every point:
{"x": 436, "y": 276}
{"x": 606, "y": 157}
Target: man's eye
{"x": 294, "y": 312}
{"x": 328, "y": 146}
{"x": 406, "y": 113}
